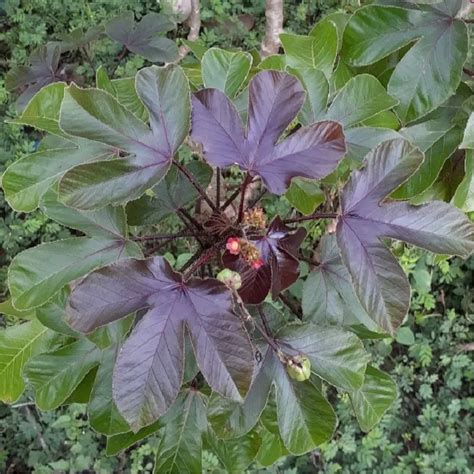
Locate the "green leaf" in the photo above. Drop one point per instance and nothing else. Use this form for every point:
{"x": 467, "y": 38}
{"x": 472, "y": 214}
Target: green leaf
{"x": 464, "y": 195}
{"x": 126, "y": 94}
{"x": 180, "y": 441}
{"x": 119, "y": 442}
{"x": 235, "y": 454}
{"x": 360, "y": 140}
{"x": 317, "y": 92}
{"x": 18, "y": 344}
{"x": 405, "y": 336}
{"x": 26, "y": 180}
{"x": 361, "y": 98}
{"x": 305, "y": 195}
{"x": 171, "y": 194}
{"x": 336, "y": 355}
{"x": 36, "y": 274}
{"x": 225, "y": 70}
{"x": 305, "y": 417}
{"x": 7, "y": 308}
{"x": 274, "y": 61}
{"x": 54, "y": 376}
{"x": 439, "y": 53}
{"x": 328, "y": 294}
{"x": 438, "y": 139}
{"x": 82, "y": 393}
{"x": 96, "y": 115}
{"x": 468, "y": 139}
{"x": 374, "y": 398}
{"x": 42, "y": 111}
{"x": 196, "y": 48}
{"x": 104, "y": 416}
{"x": 271, "y": 449}
{"x": 52, "y": 314}
{"x": 107, "y": 222}
{"x": 103, "y": 81}
{"x": 318, "y": 50}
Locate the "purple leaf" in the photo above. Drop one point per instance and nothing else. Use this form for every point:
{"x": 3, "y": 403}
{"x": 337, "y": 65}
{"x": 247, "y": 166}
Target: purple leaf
{"x": 280, "y": 269}
{"x": 41, "y": 71}
{"x": 149, "y": 369}
{"x": 380, "y": 283}
{"x": 274, "y": 101}
{"x": 143, "y": 37}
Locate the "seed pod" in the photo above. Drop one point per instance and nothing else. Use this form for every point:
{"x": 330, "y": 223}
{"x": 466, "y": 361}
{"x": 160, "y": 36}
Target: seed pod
{"x": 230, "y": 279}
{"x": 299, "y": 368}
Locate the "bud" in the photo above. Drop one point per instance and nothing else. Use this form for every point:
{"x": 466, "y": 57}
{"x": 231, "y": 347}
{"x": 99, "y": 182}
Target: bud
{"x": 233, "y": 245}
{"x": 299, "y": 368}
{"x": 230, "y": 279}
{"x": 255, "y": 218}
{"x": 256, "y": 264}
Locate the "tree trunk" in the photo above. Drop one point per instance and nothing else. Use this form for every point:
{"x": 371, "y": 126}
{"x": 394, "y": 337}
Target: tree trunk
{"x": 194, "y": 23}
{"x": 274, "y": 26}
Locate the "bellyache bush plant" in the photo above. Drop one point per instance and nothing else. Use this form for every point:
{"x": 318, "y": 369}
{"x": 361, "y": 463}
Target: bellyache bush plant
{"x": 202, "y": 352}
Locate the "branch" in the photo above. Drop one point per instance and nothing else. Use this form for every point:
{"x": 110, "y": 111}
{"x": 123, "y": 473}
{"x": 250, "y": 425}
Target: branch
{"x": 316, "y": 215}
{"x": 273, "y": 27}
{"x": 163, "y": 236}
{"x": 194, "y": 22}
{"x": 196, "y": 185}
{"x": 468, "y": 71}
{"x": 243, "y": 189}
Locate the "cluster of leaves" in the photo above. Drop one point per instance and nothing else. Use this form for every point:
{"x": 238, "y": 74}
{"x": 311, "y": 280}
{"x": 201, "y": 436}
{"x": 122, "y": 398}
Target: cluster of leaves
{"x": 199, "y": 367}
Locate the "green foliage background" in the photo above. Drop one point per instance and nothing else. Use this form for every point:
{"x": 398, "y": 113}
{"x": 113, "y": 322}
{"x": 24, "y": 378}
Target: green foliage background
{"x": 427, "y": 430}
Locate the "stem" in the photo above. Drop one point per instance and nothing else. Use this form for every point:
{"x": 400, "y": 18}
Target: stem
{"x": 243, "y": 189}
{"x": 163, "y": 236}
{"x": 230, "y": 199}
{"x": 119, "y": 59}
{"x": 196, "y": 185}
{"x": 273, "y": 27}
{"x": 218, "y": 187}
{"x": 194, "y": 22}
{"x": 199, "y": 259}
{"x": 191, "y": 219}
{"x": 468, "y": 71}
{"x": 316, "y": 215}
{"x": 257, "y": 199}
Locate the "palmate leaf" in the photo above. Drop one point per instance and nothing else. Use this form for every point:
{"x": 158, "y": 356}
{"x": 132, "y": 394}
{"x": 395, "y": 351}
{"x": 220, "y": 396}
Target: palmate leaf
{"x": 279, "y": 252}
{"x": 96, "y": 115}
{"x": 374, "y": 398}
{"x": 328, "y": 293}
{"x": 380, "y": 283}
{"x": 42, "y": 69}
{"x": 225, "y": 70}
{"x": 17, "y": 345}
{"x": 440, "y": 50}
{"x": 274, "y": 101}
{"x": 304, "y": 418}
{"x": 149, "y": 370}
{"x": 180, "y": 438}
{"x": 27, "y": 179}
{"x": 36, "y": 274}
{"x": 143, "y": 37}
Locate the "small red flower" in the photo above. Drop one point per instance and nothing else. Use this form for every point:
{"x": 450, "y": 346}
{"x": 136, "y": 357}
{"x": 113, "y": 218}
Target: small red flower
{"x": 233, "y": 245}
{"x": 256, "y": 264}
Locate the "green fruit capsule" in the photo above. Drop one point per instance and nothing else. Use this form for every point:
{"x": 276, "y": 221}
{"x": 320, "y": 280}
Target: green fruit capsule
{"x": 299, "y": 368}
{"x": 231, "y": 279}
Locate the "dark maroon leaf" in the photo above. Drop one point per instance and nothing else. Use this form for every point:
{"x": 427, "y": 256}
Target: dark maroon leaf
{"x": 274, "y": 101}
{"x": 149, "y": 369}
{"x": 380, "y": 283}
{"x": 143, "y": 37}
{"x": 41, "y": 70}
{"x": 280, "y": 269}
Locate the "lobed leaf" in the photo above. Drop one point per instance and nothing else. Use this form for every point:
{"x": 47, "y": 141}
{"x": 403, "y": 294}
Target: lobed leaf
{"x": 149, "y": 369}
{"x": 380, "y": 283}
{"x": 96, "y": 115}
{"x": 274, "y": 100}
{"x": 143, "y": 37}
